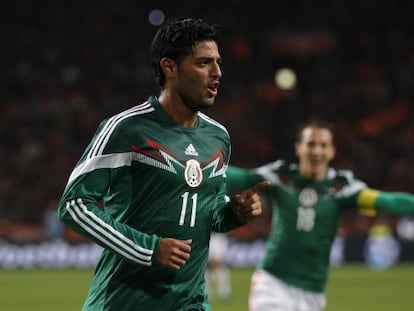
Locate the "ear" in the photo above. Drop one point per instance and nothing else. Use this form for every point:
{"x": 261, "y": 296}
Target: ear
{"x": 297, "y": 146}
{"x": 333, "y": 153}
{"x": 167, "y": 66}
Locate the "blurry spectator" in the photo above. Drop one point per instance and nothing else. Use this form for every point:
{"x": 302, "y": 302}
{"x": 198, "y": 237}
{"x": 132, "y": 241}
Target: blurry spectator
{"x": 382, "y": 249}
{"x": 64, "y": 60}
{"x": 53, "y": 226}
{"x": 218, "y": 278}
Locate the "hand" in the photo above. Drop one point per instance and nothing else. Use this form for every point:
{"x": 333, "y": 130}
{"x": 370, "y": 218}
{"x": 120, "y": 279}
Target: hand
{"x": 173, "y": 253}
{"x": 246, "y": 205}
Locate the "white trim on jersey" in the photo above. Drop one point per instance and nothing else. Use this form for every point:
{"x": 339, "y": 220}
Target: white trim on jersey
{"x": 216, "y": 172}
{"x": 212, "y": 121}
{"x": 267, "y": 172}
{"x": 103, "y": 137}
{"x": 108, "y": 235}
{"x": 113, "y": 160}
{"x": 351, "y": 189}
{"x": 153, "y": 162}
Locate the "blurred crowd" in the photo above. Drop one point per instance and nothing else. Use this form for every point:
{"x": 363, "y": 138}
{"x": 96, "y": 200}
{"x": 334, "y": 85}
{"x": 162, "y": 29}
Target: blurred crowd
{"x": 66, "y": 65}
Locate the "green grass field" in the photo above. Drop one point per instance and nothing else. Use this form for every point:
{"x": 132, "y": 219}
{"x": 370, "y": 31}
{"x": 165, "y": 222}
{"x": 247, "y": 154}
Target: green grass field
{"x": 351, "y": 287}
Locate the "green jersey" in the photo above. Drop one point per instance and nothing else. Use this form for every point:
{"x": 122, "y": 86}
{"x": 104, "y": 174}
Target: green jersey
{"x": 306, "y": 215}
{"x": 143, "y": 177}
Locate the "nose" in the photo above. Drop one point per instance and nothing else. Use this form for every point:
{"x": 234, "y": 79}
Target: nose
{"x": 216, "y": 70}
{"x": 317, "y": 150}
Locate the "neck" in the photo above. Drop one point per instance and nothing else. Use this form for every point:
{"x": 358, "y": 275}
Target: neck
{"x": 312, "y": 174}
{"x": 175, "y": 108}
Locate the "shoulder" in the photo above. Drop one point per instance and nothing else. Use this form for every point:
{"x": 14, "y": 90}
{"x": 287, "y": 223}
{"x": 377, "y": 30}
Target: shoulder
{"x": 213, "y": 123}
{"x": 275, "y": 166}
{"x": 120, "y": 123}
{"x": 343, "y": 176}
{"x": 274, "y": 170}
{"x": 141, "y": 110}
{"x": 114, "y": 130}
{"x": 345, "y": 182}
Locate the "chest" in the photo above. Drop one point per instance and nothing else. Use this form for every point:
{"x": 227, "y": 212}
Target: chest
{"x": 305, "y": 207}
{"x": 175, "y": 156}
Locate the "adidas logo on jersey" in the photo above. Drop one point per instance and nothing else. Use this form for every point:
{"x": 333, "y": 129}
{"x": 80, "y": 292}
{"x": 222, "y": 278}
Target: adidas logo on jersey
{"x": 191, "y": 150}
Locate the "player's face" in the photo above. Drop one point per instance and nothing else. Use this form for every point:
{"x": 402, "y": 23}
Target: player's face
{"x": 198, "y": 76}
{"x": 315, "y": 151}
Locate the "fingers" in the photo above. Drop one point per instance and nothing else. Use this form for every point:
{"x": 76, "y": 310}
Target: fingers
{"x": 184, "y": 250}
{"x": 247, "y": 204}
{"x": 254, "y": 208}
{"x": 257, "y": 188}
{"x": 250, "y": 196}
{"x": 174, "y": 253}
{"x": 180, "y": 253}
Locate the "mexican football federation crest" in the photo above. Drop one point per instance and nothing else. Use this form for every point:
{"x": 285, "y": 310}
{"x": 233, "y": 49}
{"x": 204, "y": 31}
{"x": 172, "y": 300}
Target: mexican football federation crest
{"x": 192, "y": 173}
{"x": 308, "y": 197}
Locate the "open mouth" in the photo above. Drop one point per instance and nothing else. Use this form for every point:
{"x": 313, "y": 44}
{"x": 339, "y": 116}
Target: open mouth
{"x": 316, "y": 161}
{"x": 213, "y": 89}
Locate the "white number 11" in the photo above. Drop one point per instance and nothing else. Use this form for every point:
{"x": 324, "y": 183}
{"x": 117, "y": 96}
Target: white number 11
{"x": 184, "y": 209}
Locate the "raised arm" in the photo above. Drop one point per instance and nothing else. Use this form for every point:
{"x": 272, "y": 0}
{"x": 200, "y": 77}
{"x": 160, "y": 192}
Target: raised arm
{"x": 242, "y": 178}
{"x": 398, "y": 203}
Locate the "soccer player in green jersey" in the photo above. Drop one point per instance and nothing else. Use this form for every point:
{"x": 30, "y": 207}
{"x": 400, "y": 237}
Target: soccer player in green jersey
{"x": 150, "y": 187}
{"x": 308, "y": 200}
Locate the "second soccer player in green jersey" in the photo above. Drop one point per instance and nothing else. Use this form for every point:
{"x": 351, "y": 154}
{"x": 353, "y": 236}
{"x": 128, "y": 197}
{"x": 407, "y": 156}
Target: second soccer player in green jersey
{"x": 308, "y": 200}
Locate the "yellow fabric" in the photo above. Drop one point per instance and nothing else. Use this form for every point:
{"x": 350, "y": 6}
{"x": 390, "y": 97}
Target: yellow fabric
{"x": 379, "y": 230}
{"x": 366, "y": 202}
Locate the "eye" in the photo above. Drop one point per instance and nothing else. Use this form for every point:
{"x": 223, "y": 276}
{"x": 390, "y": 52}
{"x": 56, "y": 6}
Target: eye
{"x": 203, "y": 61}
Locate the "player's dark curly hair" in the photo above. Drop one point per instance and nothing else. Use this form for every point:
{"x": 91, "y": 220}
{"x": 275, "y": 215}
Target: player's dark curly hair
{"x": 176, "y": 39}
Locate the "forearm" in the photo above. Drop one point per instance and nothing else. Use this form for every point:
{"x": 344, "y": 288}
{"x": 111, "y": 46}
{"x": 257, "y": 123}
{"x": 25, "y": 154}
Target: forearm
{"x": 84, "y": 217}
{"x": 398, "y": 203}
{"x": 226, "y": 220}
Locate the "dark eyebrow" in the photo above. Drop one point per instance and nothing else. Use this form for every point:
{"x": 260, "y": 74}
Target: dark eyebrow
{"x": 208, "y": 59}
